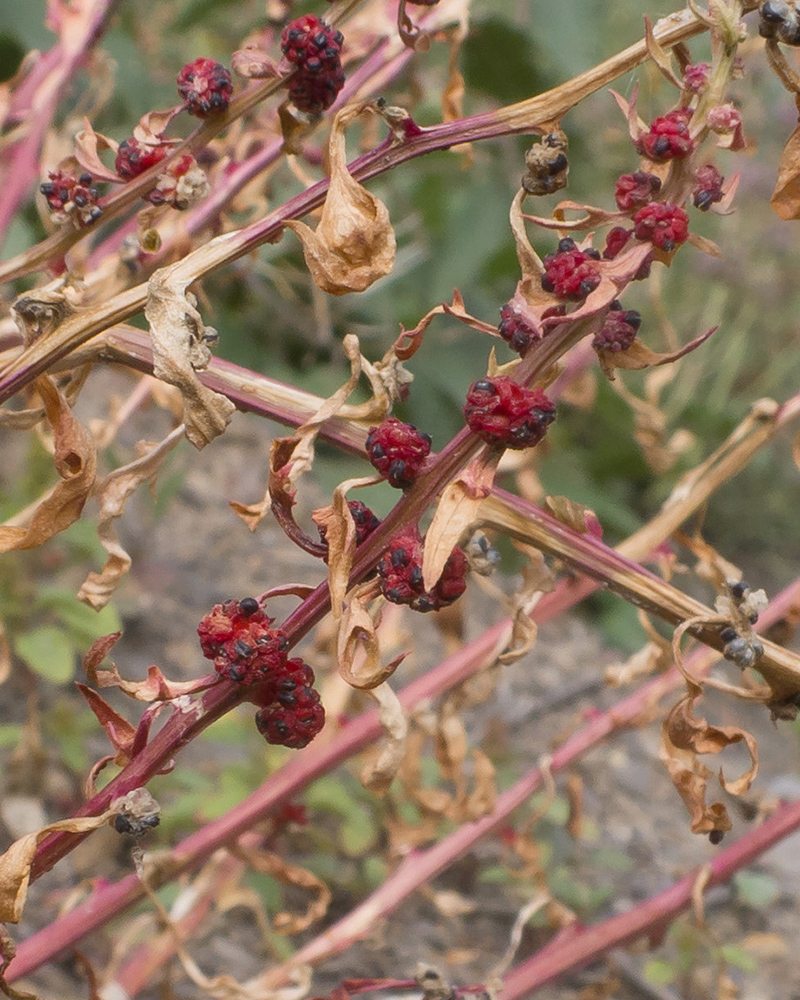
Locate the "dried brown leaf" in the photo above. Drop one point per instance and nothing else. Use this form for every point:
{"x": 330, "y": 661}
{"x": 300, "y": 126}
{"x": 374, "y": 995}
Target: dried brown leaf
{"x": 575, "y": 515}
{"x": 380, "y": 772}
{"x": 785, "y": 200}
{"x": 456, "y": 513}
{"x": 118, "y": 730}
{"x": 409, "y": 341}
{"x": 88, "y": 146}
{"x": 690, "y": 778}
{"x": 661, "y": 57}
{"x": 5, "y": 655}
{"x": 637, "y": 356}
{"x": 180, "y": 347}
{"x": 340, "y": 534}
{"x": 15, "y": 864}
{"x": 76, "y": 463}
{"x": 155, "y": 688}
{"x": 357, "y": 647}
{"x": 354, "y": 243}
{"x": 481, "y": 800}
{"x": 293, "y": 875}
{"x": 112, "y": 494}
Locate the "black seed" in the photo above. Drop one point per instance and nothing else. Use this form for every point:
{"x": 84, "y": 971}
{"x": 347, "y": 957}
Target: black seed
{"x": 715, "y": 837}
{"x": 586, "y": 287}
{"x": 63, "y": 194}
{"x": 559, "y": 163}
{"x": 288, "y": 699}
{"x": 592, "y": 253}
{"x": 728, "y": 634}
{"x": 85, "y": 179}
{"x": 632, "y": 318}
{"x": 427, "y": 439}
{"x": 415, "y": 577}
{"x": 376, "y": 451}
{"x": 399, "y": 557}
{"x": 242, "y": 648}
{"x": 774, "y": 12}
{"x": 566, "y": 245}
{"x": 661, "y": 145}
{"x": 122, "y": 823}
{"x": 248, "y": 606}
{"x": 151, "y": 821}
{"x": 703, "y": 200}
{"x": 81, "y": 200}
{"x": 397, "y": 472}
{"x": 668, "y": 245}
{"x": 394, "y": 595}
{"x": 48, "y": 189}
{"x": 547, "y": 284}
{"x": 484, "y": 385}
{"x": 236, "y": 672}
{"x": 739, "y": 589}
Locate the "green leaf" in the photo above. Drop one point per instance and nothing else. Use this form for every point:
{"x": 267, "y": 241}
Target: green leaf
{"x": 756, "y": 889}
{"x": 659, "y": 973}
{"x": 738, "y": 957}
{"x": 49, "y": 652}
{"x": 82, "y": 622}
{"x": 9, "y": 734}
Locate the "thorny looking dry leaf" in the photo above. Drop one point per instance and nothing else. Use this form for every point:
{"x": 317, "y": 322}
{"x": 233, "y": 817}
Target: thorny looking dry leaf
{"x": 456, "y": 513}
{"x": 637, "y": 356}
{"x": 291, "y": 457}
{"x": 380, "y": 771}
{"x": 409, "y": 341}
{"x": 358, "y": 650}
{"x": 15, "y": 864}
{"x": 180, "y": 346}
{"x": 354, "y": 243}
{"x": 274, "y": 866}
{"x": 340, "y": 534}
{"x": 155, "y": 688}
{"x": 76, "y": 463}
{"x": 112, "y": 495}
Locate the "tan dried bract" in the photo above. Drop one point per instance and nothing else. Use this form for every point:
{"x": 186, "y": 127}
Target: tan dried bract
{"x": 354, "y": 243}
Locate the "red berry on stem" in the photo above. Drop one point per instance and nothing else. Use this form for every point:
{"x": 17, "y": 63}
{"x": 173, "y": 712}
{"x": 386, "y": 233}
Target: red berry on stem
{"x": 570, "y": 273}
{"x": 615, "y": 241}
{"x": 619, "y": 329}
{"x": 663, "y": 224}
{"x": 503, "y": 412}
{"x": 238, "y": 637}
{"x": 516, "y": 331}
{"x": 634, "y": 190}
{"x": 291, "y": 714}
{"x": 397, "y": 451}
{"x": 205, "y": 87}
{"x": 315, "y": 49}
{"x": 708, "y": 187}
{"x": 668, "y": 137}
{"x": 71, "y": 197}
{"x": 400, "y": 574}
{"x": 134, "y": 157}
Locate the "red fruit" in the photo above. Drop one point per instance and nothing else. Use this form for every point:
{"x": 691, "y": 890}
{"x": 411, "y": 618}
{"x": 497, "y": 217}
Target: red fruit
{"x": 668, "y": 138}
{"x": 569, "y": 273}
{"x": 502, "y": 412}
{"x": 71, "y": 197}
{"x": 708, "y": 187}
{"x": 400, "y": 575}
{"x": 134, "y": 157}
{"x": 516, "y": 331}
{"x": 205, "y": 87}
{"x": 634, "y": 190}
{"x": 291, "y": 715}
{"x": 237, "y": 636}
{"x": 615, "y": 241}
{"x": 663, "y": 224}
{"x": 619, "y": 329}
{"x": 695, "y": 77}
{"x": 315, "y": 49}
{"x": 397, "y": 451}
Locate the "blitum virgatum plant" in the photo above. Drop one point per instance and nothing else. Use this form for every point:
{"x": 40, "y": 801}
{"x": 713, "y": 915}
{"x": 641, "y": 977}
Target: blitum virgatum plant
{"x": 330, "y": 73}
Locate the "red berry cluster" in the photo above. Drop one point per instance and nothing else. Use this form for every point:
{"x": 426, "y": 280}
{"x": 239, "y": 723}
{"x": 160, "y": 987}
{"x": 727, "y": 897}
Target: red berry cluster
{"x": 71, "y": 197}
{"x": 205, "y": 87}
{"x": 616, "y": 240}
{"x": 708, "y": 187}
{"x": 291, "y": 714}
{"x": 663, "y": 224}
{"x": 238, "y": 637}
{"x": 315, "y": 49}
{"x": 503, "y": 412}
{"x": 668, "y": 137}
{"x": 619, "y": 329}
{"x": 134, "y": 157}
{"x": 570, "y": 273}
{"x": 634, "y": 190}
{"x": 400, "y": 575}
{"x": 695, "y": 77}
{"x": 363, "y": 518}
{"x": 516, "y": 332}
{"x": 397, "y": 451}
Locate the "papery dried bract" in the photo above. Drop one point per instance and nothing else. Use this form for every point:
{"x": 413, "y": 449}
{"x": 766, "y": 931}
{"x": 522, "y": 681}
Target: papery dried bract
{"x": 180, "y": 346}
{"x": 88, "y": 146}
{"x": 785, "y": 200}
{"x": 380, "y": 772}
{"x": 76, "y": 463}
{"x": 112, "y": 494}
{"x": 354, "y": 243}
{"x": 277, "y": 868}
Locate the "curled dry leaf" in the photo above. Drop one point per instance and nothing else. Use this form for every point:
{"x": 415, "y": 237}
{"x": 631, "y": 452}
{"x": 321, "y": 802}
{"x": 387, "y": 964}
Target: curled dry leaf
{"x": 155, "y": 688}
{"x": 357, "y": 648}
{"x": 40, "y": 312}
{"x": 76, "y": 463}
{"x": 380, "y": 772}
{"x": 660, "y": 56}
{"x": 340, "y": 534}
{"x": 456, "y": 513}
{"x": 688, "y": 733}
{"x": 409, "y": 341}
{"x": 271, "y": 864}
{"x": 180, "y": 346}
{"x": 88, "y": 146}
{"x": 354, "y": 243}
{"x": 785, "y": 200}
{"x": 117, "y": 728}
{"x": 112, "y": 494}
{"x": 690, "y": 779}
{"x": 637, "y": 356}
{"x": 15, "y": 864}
